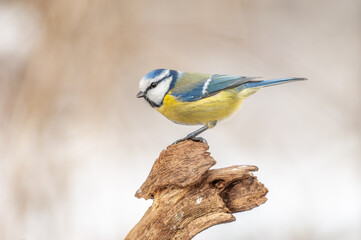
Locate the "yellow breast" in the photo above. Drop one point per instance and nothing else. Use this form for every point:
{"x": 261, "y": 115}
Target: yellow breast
{"x": 202, "y": 111}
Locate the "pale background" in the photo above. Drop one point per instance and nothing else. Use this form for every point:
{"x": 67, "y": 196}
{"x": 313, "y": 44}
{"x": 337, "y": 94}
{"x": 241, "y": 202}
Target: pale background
{"x": 75, "y": 143}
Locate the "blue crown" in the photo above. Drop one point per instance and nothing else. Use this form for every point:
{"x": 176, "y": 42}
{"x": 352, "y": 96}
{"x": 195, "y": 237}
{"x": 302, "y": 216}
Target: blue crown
{"x": 154, "y": 73}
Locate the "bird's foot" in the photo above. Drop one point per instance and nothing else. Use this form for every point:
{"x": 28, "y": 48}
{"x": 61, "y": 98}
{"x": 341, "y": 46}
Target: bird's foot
{"x": 199, "y": 139}
{"x": 196, "y": 139}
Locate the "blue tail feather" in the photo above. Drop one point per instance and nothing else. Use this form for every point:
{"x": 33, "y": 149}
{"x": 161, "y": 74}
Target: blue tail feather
{"x": 256, "y": 84}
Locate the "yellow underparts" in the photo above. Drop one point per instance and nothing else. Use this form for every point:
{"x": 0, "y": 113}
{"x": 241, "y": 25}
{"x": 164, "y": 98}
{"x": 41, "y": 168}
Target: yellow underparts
{"x": 203, "y": 111}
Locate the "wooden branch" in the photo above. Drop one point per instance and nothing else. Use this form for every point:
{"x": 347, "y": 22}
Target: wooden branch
{"x": 188, "y": 197}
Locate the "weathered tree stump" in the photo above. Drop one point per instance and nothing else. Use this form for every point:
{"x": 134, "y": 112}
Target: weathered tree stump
{"x": 188, "y": 197}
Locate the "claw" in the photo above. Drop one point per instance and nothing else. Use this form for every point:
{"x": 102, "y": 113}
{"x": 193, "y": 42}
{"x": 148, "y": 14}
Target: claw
{"x": 193, "y": 135}
{"x": 199, "y": 139}
{"x": 179, "y": 140}
{"x": 196, "y": 139}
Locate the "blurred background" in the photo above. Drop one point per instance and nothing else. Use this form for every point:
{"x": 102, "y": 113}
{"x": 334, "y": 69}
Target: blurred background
{"x": 75, "y": 143}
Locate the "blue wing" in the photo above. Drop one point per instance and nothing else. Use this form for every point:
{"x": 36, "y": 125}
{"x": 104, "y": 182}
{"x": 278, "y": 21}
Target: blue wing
{"x": 205, "y": 86}
{"x": 193, "y": 86}
{"x": 221, "y": 82}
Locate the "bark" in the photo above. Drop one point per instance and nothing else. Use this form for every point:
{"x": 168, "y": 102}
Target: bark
{"x": 188, "y": 197}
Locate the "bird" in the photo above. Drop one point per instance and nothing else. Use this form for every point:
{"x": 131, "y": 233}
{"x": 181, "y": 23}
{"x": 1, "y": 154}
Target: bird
{"x": 199, "y": 99}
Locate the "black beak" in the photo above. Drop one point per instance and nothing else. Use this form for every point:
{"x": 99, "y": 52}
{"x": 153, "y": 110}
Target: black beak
{"x": 140, "y": 94}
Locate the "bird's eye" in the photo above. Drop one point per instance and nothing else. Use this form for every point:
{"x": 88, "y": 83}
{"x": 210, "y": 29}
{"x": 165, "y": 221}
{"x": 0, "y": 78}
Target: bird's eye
{"x": 153, "y": 85}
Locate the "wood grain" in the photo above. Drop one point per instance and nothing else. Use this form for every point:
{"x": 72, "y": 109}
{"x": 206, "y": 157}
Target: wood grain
{"x": 188, "y": 197}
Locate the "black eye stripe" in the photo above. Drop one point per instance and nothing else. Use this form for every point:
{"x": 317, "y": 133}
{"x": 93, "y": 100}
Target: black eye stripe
{"x": 153, "y": 84}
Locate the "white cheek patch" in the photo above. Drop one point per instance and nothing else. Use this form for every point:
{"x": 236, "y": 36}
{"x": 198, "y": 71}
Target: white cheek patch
{"x": 157, "y": 94}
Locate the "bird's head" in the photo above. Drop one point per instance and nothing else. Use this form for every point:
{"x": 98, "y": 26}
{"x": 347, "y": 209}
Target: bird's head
{"x": 156, "y": 84}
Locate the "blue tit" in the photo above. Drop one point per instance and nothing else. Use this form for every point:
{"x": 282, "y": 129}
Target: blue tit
{"x": 199, "y": 99}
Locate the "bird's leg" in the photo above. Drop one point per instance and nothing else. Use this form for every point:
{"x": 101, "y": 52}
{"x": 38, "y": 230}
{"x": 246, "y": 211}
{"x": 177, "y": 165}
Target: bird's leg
{"x": 193, "y": 135}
